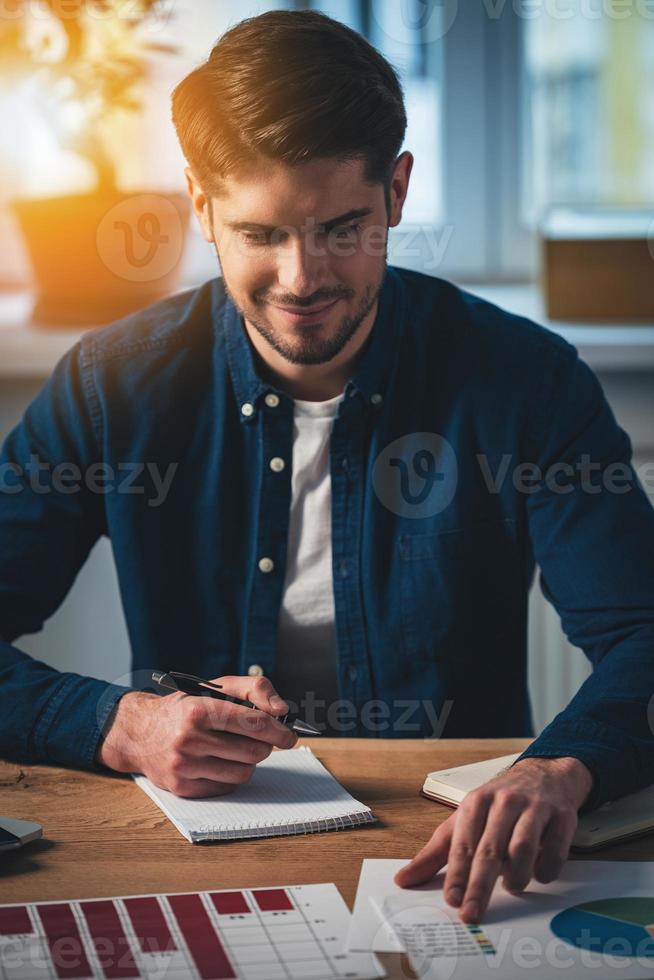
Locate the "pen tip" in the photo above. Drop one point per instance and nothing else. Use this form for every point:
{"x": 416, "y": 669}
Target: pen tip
{"x": 303, "y": 728}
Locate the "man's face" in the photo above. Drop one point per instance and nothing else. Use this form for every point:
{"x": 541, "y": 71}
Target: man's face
{"x": 295, "y": 239}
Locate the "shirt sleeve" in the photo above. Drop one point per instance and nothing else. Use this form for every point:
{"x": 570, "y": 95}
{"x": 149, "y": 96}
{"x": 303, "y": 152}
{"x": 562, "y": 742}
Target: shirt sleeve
{"x": 592, "y": 530}
{"x": 49, "y": 520}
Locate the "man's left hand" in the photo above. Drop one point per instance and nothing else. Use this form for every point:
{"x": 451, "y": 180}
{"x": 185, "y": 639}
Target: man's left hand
{"x": 519, "y": 824}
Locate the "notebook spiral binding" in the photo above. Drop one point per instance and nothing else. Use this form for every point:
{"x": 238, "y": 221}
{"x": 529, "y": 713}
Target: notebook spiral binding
{"x": 281, "y": 830}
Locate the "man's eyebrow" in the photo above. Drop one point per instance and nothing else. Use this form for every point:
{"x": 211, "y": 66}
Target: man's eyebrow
{"x": 333, "y": 222}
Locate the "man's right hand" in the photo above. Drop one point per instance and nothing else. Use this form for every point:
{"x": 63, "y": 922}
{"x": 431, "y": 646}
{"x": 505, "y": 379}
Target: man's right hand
{"x": 196, "y": 746}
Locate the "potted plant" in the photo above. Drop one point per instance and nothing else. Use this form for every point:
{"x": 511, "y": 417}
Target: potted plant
{"x": 100, "y": 254}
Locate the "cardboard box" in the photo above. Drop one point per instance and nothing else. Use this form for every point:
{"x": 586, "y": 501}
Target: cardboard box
{"x": 598, "y": 266}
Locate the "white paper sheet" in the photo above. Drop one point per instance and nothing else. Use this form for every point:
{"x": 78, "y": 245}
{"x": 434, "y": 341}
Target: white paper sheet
{"x": 539, "y": 933}
{"x": 293, "y": 932}
{"x": 366, "y": 929}
{"x": 290, "y": 792}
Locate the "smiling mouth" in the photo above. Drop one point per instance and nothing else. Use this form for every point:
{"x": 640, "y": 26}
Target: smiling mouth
{"x": 309, "y": 315}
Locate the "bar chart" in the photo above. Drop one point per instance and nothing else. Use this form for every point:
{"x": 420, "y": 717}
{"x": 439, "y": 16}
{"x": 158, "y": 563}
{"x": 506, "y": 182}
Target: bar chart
{"x": 287, "y": 933}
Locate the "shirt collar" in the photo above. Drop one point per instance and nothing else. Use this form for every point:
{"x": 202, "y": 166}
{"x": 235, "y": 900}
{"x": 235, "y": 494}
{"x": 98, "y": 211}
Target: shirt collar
{"x": 376, "y": 359}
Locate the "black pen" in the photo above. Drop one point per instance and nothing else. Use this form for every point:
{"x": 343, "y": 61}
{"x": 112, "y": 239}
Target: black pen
{"x": 189, "y": 684}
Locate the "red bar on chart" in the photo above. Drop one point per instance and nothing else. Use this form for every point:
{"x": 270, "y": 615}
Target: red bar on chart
{"x": 111, "y": 944}
{"x": 14, "y": 919}
{"x": 230, "y": 903}
{"x": 273, "y": 900}
{"x": 149, "y": 924}
{"x": 66, "y": 948}
{"x": 204, "y": 944}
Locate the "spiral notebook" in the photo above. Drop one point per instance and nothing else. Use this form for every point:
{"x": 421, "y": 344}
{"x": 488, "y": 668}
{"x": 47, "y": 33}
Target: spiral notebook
{"x": 290, "y": 792}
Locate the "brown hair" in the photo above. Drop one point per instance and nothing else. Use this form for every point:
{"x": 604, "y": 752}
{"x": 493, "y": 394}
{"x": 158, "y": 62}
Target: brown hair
{"x": 292, "y": 86}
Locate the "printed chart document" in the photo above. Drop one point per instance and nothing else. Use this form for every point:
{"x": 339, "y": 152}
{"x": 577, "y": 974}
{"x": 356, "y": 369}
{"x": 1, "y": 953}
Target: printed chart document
{"x": 285, "y": 933}
{"x": 290, "y": 792}
{"x": 595, "y": 920}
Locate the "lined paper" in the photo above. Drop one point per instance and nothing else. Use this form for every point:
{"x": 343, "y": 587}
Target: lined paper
{"x": 290, "y": 792}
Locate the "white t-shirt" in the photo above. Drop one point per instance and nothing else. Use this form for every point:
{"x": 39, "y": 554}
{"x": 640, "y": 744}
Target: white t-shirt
{"x": 306, "y": 639}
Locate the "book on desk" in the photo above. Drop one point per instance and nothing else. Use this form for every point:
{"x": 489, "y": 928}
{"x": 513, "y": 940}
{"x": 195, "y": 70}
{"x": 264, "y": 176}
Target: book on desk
{"x": 629, "y": 816}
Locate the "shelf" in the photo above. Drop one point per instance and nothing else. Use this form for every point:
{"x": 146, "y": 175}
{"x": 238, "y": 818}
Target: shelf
{"x": 606, "y": 347}
{"x": 27, "y": 350}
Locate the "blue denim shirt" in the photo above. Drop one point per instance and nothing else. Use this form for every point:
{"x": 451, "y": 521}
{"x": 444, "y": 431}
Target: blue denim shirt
{"x": 456, "y": 467}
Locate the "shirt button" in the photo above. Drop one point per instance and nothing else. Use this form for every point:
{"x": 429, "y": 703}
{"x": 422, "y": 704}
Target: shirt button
{"x": 255, "y": 670}
{"x": 376, "y": 399}
{"x": 266, "y": 564}
{"x": 344, "y": 462}
{"x": 277, "y": 464}
{"x": 271, "y": 399}
{"x": 247, "y": 409}
{"x": 352, "y": 673}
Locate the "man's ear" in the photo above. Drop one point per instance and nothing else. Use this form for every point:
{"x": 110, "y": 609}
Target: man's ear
{"x": 201, "y": 205}
{"x": 400, "y": 186}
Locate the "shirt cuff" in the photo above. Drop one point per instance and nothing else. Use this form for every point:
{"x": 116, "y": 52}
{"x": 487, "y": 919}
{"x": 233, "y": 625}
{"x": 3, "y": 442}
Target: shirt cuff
{"x": 71, "y": 724}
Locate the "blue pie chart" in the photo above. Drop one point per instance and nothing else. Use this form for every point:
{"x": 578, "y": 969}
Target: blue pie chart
{"x": 613, "y": 926}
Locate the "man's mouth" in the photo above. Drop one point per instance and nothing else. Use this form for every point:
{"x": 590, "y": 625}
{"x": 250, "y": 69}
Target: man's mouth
{"x": 311, "y": 314}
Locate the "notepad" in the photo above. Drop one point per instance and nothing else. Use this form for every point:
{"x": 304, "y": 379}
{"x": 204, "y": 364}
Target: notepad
{"x": 290, "y": 792}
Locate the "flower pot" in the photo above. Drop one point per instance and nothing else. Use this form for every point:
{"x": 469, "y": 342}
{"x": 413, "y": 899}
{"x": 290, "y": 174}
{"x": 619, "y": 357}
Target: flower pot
{"x": 97, "y": 257}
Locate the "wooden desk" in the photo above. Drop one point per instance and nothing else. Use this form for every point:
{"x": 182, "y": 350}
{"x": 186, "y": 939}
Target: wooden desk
{"x": 103, "y": 836}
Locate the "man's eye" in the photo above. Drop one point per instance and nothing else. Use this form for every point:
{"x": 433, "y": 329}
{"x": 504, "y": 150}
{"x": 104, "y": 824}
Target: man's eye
{"x": 345, "y": 230}
{"x": 263, "y": 238}
{"x": 252, "y": 238}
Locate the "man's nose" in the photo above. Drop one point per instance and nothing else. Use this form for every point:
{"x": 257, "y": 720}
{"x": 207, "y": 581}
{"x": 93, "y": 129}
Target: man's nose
{"x": 302, "y": 266}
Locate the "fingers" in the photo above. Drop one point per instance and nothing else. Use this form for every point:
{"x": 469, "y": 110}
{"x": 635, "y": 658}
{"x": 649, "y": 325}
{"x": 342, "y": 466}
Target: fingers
{"x": 193, "y": 788}
{"x": 430, "y": 859}
{"x": 520, "y": 825}
{"x": 257, "y": 725}
{"x": 188, "y": 774}
{"x": 216, "y": 770}
{"x": 226, "y": 745}
{"x": 468, "y": 834}
{"x": 489, "y": 854}
{"x": 212, "y": 714}
{"x": 258, "y": 690}
{"x": 523, "y": 850}
{"x": 199, "y": 788}
{"x": 555, "y": 846}
{"x": 196, "y": 746}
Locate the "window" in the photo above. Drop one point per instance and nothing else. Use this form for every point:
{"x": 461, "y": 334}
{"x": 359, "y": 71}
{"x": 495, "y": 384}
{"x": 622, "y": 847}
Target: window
{"x": 404, "y": 33}
{"x": 512, "y": 107}
{"x": 589, "y": 137}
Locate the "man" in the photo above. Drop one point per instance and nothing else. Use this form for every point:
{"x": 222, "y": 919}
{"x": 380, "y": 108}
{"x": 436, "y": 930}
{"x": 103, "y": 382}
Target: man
{"x": 337, "y": 520}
